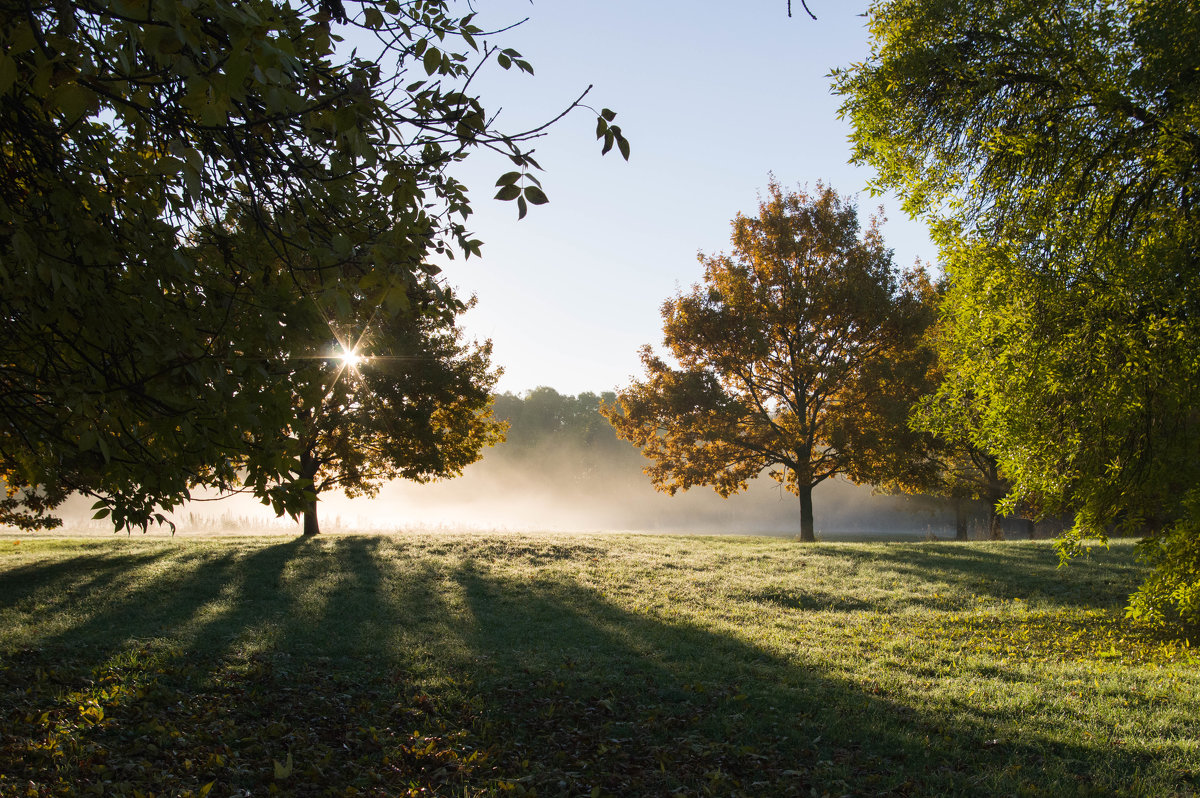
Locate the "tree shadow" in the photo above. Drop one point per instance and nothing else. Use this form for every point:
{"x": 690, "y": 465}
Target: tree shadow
{"x": 340, "y": 643}
{"x": 1004, "y": 571}
{"x": 632, "y": 704}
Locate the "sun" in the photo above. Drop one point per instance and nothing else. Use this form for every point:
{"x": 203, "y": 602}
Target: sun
{"x": 351, "y": 359}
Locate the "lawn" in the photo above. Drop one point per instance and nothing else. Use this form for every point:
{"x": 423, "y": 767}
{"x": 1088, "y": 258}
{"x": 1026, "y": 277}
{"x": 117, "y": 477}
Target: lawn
{"x": 468, "y": 665}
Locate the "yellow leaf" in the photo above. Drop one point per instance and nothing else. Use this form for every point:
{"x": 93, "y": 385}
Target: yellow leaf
{"x": 285, "y": 770}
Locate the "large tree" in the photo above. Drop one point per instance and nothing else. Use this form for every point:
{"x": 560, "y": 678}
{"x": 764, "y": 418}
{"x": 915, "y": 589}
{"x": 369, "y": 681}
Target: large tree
{"x": 129, "y": 353}
{"x": 782, "y": 349}
{"x": 1055, "y": 145}
{"x": 390, "y": 396}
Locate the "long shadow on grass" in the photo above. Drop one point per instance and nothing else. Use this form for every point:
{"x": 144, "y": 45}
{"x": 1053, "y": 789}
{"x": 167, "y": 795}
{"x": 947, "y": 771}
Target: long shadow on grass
{"x": 579, "y": 693}
{"x": 210, "y": 662}
{"x": 1101, "y": 580}
{"x": 319, "y": 598}
{"x": 565, "y": 689}
{"x": 180, "y": 601}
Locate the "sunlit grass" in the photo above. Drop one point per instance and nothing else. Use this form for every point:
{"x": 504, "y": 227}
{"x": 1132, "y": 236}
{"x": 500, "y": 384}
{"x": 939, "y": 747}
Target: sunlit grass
{"x": 608, "y": 665}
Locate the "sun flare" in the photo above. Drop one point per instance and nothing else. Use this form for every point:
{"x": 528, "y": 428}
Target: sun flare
{"x": 351, "y": 359}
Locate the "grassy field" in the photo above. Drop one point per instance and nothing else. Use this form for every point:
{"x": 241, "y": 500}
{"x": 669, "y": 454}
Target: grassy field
{"x": 583, "y": 666}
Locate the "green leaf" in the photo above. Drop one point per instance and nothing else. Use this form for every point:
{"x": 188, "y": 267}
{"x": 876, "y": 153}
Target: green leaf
{"x": 608, "y": 114}
{"x": 373, "y": 18}
{"x": 8, "y": 72}
{"x": 623, "y": 146}
{"x": 396, "y": 300}
{"x": 283, "y": 771}
{"x": 508, "y": 178}
{"x": 237, "y": 69}
{"x": 74, "y": 100}
{"x": 508, "y": 193}
{"x": 536, "y": 195}
{"x": 522, "y": 208}
{"x": 432, "y": 60}
{"x": 504, "y": 61}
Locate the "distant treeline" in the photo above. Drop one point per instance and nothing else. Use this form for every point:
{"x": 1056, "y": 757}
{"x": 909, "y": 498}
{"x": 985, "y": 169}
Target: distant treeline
{"x": 562, "y": 435}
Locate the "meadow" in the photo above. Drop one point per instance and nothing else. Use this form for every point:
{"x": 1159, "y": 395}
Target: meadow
{"x": 583, "y": 665}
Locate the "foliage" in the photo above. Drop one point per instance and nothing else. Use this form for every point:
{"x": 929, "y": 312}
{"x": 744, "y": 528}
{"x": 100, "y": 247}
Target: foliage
{"x": 132, "y": 360}
{"x": 575, "y": 665}
{"x": 900, "y": 446}
{"x": 393, "y": 396}
{"x": 560, "y": 437}
{"x": 1055, "y": 146}
{"x": 1171, "y": 593}
{"x": 940, "y": 458}
{"x": 784, "y": 350}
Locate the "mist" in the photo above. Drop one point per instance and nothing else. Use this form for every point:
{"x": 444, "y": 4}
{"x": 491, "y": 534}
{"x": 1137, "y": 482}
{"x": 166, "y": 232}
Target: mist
{"x": 562, "y": 469}
{"x": 505, "y": 498}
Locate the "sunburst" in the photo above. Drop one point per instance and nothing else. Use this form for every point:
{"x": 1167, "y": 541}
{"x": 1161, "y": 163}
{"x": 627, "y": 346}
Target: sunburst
{"x": 350, "y": 358}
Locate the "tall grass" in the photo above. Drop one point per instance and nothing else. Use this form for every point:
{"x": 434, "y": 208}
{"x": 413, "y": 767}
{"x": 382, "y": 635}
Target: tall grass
{"x": 583, "y": 665}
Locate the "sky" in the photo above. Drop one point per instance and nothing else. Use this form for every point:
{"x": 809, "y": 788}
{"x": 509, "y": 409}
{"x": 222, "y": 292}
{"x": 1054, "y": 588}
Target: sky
{"x": 714, "y": 99}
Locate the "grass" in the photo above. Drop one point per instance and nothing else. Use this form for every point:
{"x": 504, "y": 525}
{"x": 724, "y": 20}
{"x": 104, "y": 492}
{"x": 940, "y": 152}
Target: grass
{"x": 583, "y": 666}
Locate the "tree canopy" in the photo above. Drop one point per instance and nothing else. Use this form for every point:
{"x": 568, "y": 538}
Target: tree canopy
{"x": 1054, "y": 146}
{"x": 392, "y": 397}
{"x": 783, "y": 349}
{"x": 168, "y": 171}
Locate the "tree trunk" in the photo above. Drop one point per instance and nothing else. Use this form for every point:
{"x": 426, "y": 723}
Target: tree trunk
{"x": 960, "y": 520}
{"x": 308, "y": 473}
{"x": 1032, "y": 527}
{"x": 311, "y": 527}
{"x": 806, "y": 514}
{"x": 994, "y": 528}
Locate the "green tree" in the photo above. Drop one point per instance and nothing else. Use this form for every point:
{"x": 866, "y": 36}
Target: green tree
{"x": 781, "y": 350}
{"x": 1054, "y": 146}
{"x": 390, "y": 397}
{"x": 909, "y": 441}
{"x": 951, "y": 465}
{"x": 562, "y": 439}
{"x": 130, "y": 364}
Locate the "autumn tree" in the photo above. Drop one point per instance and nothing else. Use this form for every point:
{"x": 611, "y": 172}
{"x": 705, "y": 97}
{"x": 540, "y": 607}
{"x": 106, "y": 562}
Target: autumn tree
{"x": 129, "y": 365}
{"x": 1054, "y": 147}
{"x": 780, "y": 350}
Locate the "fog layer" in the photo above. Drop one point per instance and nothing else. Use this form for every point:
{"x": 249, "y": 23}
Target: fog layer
{"x": 563, "y": 469}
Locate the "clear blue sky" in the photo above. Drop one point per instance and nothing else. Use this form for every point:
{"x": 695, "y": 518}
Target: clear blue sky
{"x": 713, "y": 97}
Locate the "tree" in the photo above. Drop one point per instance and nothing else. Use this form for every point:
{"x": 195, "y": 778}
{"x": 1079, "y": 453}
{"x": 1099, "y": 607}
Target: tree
{"x": 395, "y": 397}
{"x": 781, "y": 349}
{"x": 1055, "y": 148}
{"x": 952, "y": 466}
{"x": 562, "y": 440}
{"x": 910, "y": 442}
{"x": 129, "y": 364}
